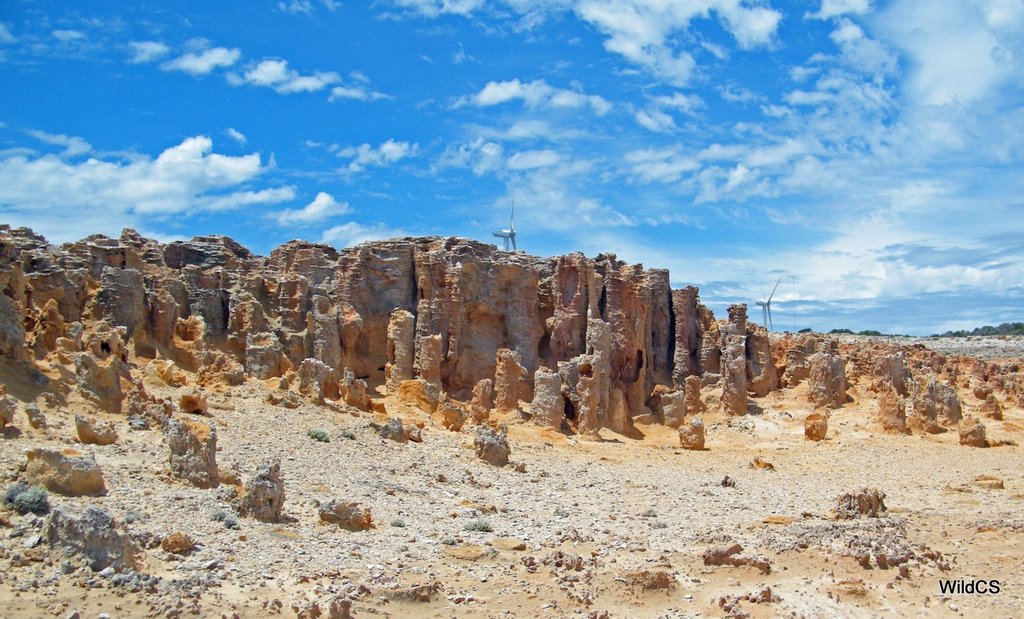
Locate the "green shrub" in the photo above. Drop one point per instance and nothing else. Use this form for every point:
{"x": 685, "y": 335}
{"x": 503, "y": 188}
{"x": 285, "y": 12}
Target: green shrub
{"x": 398, "y": 522}
{"x": 650, "y": 514}
{"x": 349, "y": 434}
{"x": 449, "y": 540}
{"x": 319, "y": 435}
{"x": 25, "y": 499}
{"x": 657, "y": 524}
{"x": 479, "y": 525}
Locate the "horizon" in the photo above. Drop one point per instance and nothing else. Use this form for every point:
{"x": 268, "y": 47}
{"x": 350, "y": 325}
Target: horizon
{"x": 865, "y": 152}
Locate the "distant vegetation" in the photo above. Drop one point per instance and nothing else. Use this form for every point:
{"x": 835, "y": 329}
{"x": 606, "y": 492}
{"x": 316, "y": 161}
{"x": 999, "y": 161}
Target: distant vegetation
{"x": 851, "y": 332}
{"x": 1007, "y": 328}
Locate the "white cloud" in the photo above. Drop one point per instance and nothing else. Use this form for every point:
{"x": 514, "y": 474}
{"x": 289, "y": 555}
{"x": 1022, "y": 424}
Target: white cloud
{"x": 5, "y": 34}
{"x": 68, "y": 36}
{"x": 73, "y": 145}
{"x": 959, "y": 52}
{"x": 661, "y": 165}
{"x": 535, "y": 94}
{"x": 203, "y": 62}
{"x": 655, "y": 120}
{"x": 355, "y": 93}
{"x": 147, "y": 51}
{"x": 532, "y": 159}
{"x": 481, "y": 156}
{"x": 836, "y": 8}
{"x": 352, "y": 233}
{"x": 433, "y": 8}
{"x": 387, "y": 153}
{"x": 236, "y": 135}
{"x": 322, "y": 207}
{"x": 274, "y": 73}
{"x": 688, "y": 104}
{"x": 65, "y": 200}
{"x": 296, "y": 6}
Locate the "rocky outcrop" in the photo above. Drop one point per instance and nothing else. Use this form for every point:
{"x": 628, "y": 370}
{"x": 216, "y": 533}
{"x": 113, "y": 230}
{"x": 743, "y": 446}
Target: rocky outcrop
{"x": 510, "y": 384}
{"x": 353, "y": 391}
{"x": 864, "y": 503}
{"x": 94, "y": 432}
{"x": 65, "y": 472}
{"x": 400, "y": 353}
{"x": 691, "y": 435}
{"x": 936, "y": 405}
{"x": 892, "y": 412}
{"x": 93, "y": 535}
{"x": 491, "y": 447}
{"x": 264, "y": 494}
{"x": 827, "y": 380}
{"x": 482, "y": 401}
{"x": 972, "y": 433}
{"x": 548, "y": 406}
{"x": 99, "y": 381}
{"x": 8, "y": 406}
{"x": 762, "y": 375}
{"x": 193, "y": 452}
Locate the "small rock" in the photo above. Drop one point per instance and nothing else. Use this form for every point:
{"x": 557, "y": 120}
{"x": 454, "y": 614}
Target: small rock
{"x": 94, "y": 432}
{"x": 691, "y": 435}
{"x": 491, "y": 447}
{"x": 815, "y": 427}
{"x": 346, "y": 515}
{"x": 177, "y": 543}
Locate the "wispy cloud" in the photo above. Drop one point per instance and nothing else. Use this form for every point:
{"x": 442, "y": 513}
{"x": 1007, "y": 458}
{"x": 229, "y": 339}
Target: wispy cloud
{"x": 274, "y": 73}
{"x": 73, "y": 145}
{"x": 147, "y": 51}
{"x": 6, "y": 37}
{"x": 352, "y": 233}
{"x": 236, "y": 135}
{"x": 385, "y": 154}
{"x": 535, "y": 94}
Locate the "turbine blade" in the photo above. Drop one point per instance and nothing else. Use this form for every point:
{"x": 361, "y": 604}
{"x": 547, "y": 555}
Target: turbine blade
{"x": 774, "y": 289}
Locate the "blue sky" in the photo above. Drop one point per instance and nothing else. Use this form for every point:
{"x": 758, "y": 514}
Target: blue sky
{"x": 869, "y": 153}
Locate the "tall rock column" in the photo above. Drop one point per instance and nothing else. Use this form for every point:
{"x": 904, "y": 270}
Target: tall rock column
{"x": 548, "y": 406}
{"x": 686, "y": 357}
{"x": 734, "y": 362}
{"x": 401, "y": 331}
{"x": 510, "y": 383}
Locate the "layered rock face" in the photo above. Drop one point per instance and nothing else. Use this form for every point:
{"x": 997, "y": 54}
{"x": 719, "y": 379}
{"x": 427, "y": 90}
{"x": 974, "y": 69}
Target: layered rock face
{"x": 591, "y": 343}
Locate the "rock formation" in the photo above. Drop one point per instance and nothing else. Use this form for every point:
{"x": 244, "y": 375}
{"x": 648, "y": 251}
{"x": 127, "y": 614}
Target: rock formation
{"x": 827, "y": 380}
{"x": 491, "y": 447}
{"x": 548, "y": 405}
{"x": 264, "y": 494}
{"x": 94, "y": 535}
{"x": 193, "y": 452}
{"x": 65, "y": 472}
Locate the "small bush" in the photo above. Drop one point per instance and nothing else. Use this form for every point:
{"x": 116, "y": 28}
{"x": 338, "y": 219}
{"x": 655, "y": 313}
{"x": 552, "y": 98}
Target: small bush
{"x": 650, "y": 514}
{"x": 562, "y": 512}
{"x": 319, "y": 435}
{"x": 33, "y": 500}
{"x": 27, "y": 499}
{"x": 398, "y": 522}
{"x": 657, "y": 524}
{"x": 479, "y": 525}
{"x": 132, "y": 516}
{"x": 218, "y": 516}
{"x": 349, "y": 434}
{"x": 231, "y": 522}
{"x": 448, "y": 540}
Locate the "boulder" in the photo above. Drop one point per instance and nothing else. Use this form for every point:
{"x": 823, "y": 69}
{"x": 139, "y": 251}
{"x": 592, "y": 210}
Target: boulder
{"x": 94, "y": 535}
{"x": 193, "y": 403}
{"x": 864, "y": 503}
{"x": 94, "y": 432}
{"x": 491, "y": 447}
{"x": 347, "y": 515}
{"x": 353, "y": 391}
{"x": 36, "y": 418}
{"x": 67, "y": 472}
{"x": 482, "y": 402}
{"x": 815, "y": 427}
{"x": 691, "y": 435}
{"x": 193, "y": 452}
{"x": 264, "y": 494}
{"x": 317, "y": 381}
{"x": 177, "y": 543}
{"x": 452, "y": 416}
{"x": 692, "y": 402}
{"x": 673, "y": 407}
{"x": 972, "y": 433}
{"x": 8, "y": 406}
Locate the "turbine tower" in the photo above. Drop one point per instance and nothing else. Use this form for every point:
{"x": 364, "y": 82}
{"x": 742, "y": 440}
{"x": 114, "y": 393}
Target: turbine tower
{"x": 509, "y": 234}
{"x": 766, "y": 306}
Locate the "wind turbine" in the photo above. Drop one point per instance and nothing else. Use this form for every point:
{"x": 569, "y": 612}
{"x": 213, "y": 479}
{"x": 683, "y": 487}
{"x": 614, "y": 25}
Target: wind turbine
{"x": 766, "y": 306}
{"x": 509, "y": 234}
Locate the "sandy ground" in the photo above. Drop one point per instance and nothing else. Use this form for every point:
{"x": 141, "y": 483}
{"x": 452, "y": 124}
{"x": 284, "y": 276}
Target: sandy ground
{"x": 576, "y": 531}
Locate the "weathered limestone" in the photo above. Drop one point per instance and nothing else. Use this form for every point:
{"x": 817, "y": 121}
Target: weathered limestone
{"x": 686, "y": 357}
{"x": 65, "y": 472}
{"x": 548, "y": 406}
{"x": 429, "y": 364}
{"x": 827, "y": 380}
{"x": 491, "y": 447}
{"x": 510, "y": 384}
{"x": 264, "y": 494}
{"x": 452, "y": 416}
{"x": 400, "y": 353}
{"x": 93, "y": 534}
{"x": 353, "y": 391}
{"x": 762, "y": 375}
{"x": 693, "y": 404}
{"x": 935, "y": 405}
{"x": 99, "y": 381}
{"x": 317, "y": 381}
{"x": 93, "y": 432}
{"x": 691, "y": 435}
{"x": 347, "y": 515}
{"x": 865, "y": 503}
{"x": 892, "y": 370}
{"x": 816, "y": 427}
{"x": 891, "y": 411}
{"x": 734, "y": 376}
{"x": 482, "y": 402}
{"x": 193, "y": 452}
{"x": 673, "y": 406}
{"x": 8, "y": 406}
{"x": 264, "y": 357}
{"x": 972, "y": 432}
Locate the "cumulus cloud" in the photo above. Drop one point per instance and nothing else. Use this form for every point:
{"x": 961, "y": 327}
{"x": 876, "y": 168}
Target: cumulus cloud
{"x": 175, "y": 181}
{"x": 147, "y": 51}
{"x": 385, "y": 154}
{"x": 535, "y": 94}
{"x": 203, "y": 62}
{"x": 323, "y": 206}
{"x": 274, "y": 73}
{"x": 355, "y": 92}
